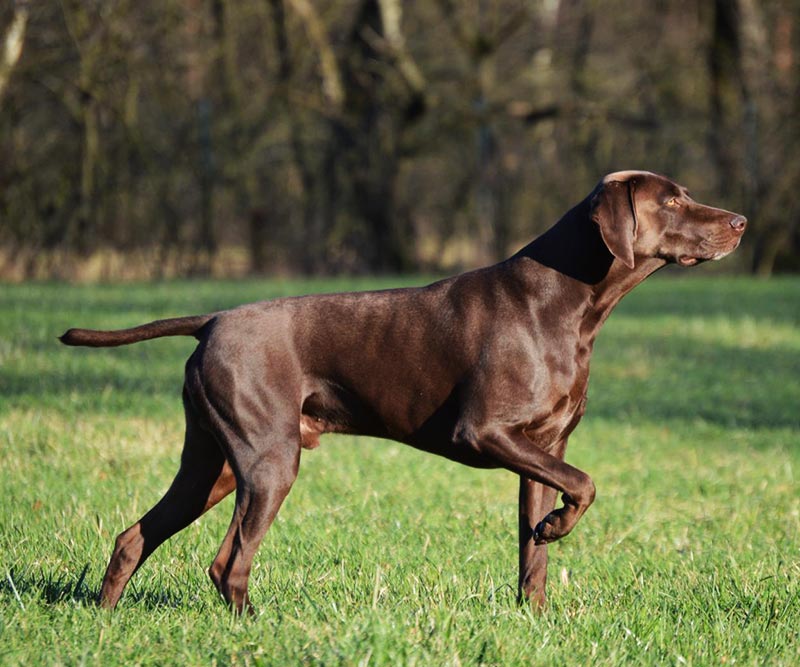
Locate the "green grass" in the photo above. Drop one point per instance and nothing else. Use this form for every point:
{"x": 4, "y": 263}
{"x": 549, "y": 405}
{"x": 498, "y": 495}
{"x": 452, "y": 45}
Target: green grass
{"x": 386, "y": 556}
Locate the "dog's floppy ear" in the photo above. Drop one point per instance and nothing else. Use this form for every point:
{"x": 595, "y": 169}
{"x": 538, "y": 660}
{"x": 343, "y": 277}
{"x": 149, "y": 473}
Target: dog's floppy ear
{"x": 614, "y": 211}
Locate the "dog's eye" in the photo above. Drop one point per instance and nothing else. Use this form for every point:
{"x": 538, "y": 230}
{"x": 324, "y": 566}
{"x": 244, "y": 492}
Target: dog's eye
{"x": 673, "y": 202}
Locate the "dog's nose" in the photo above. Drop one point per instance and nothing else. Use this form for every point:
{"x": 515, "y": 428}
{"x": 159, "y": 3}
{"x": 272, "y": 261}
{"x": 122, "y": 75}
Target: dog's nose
{"x": 738, "y": 223}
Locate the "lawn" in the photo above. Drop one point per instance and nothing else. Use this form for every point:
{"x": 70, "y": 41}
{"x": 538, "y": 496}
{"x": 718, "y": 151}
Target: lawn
{"x": 386, "y": 556}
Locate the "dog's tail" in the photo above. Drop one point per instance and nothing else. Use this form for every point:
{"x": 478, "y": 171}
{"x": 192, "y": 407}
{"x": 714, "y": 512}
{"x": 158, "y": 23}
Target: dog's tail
{"x": 178, "y": 326}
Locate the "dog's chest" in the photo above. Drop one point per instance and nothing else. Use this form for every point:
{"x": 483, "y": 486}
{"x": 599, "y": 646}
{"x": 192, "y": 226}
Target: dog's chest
{"x": 560, "y": 401}
{"x": 547, "y": 431}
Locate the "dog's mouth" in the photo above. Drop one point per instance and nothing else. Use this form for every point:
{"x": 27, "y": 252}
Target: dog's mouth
{"x": 693, "y": 260}
{"x": 727, "y": 251}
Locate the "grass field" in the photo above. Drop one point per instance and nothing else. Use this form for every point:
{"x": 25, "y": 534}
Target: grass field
{"x": 386, "y": 556}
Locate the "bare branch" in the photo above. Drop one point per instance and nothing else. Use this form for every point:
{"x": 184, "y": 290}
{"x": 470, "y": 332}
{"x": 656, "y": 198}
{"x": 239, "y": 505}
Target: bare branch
{"x": 12, "y": 45}
{"x": 331, "y": 78}
{"x": 391, "y": 17}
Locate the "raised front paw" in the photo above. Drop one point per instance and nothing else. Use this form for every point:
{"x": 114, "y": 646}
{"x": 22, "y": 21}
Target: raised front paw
{"x": 559, "y": 522}
{"x": 549, "y": 529}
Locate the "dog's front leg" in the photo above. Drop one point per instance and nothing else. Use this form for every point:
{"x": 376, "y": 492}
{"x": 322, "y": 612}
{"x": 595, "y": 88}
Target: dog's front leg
{"x": 510, "y": 448}
{"x": 535, "y": 502}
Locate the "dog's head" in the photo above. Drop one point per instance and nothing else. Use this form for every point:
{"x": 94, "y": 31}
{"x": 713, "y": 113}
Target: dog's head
{"x": 641, "y": 214}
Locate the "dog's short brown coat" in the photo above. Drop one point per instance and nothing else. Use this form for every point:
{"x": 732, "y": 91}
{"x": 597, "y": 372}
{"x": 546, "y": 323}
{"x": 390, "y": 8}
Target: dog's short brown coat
{"x": 489, "y": 368}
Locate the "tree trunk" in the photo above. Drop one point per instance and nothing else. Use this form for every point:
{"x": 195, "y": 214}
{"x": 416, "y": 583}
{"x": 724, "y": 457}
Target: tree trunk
{"x": 315, "y": 205}
{"x": 206, "y": 242}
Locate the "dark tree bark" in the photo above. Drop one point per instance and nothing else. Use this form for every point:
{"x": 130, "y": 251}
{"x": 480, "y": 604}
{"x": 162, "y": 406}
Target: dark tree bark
{"x": 375, "y": 112}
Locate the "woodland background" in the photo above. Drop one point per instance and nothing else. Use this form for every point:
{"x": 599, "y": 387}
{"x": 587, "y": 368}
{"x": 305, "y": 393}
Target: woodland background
{"x": 224, "y": 138}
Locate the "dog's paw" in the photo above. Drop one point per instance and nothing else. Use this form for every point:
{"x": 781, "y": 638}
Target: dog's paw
{"x": 545, "y": 531}
{"x": 560, "y": 521}
{"x": 553, "y": 527}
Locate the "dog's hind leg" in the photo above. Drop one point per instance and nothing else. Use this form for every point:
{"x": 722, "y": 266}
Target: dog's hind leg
{"x": 204, "y": 478}
{"x": 265, "y": 472}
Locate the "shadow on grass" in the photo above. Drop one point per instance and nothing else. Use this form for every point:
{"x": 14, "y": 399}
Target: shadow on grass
{"x": 682, "y": 378}
{"x": 52, "y": 588}
{"x": 128, "y": 391}
{"x": 772, "y": 300}
{"x": 57, "y": 588}
{"x": 147, "y": 378}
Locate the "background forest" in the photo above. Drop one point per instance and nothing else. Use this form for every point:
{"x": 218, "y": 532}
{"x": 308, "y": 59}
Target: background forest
{"x": 222, "y": 137}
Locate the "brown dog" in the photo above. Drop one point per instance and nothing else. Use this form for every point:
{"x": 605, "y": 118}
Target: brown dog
{"x": 489, "y": 368}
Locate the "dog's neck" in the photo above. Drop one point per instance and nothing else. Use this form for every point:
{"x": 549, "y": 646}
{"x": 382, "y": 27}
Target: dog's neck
{"x": 620, "y": 280}
{"x": 574, "y": 248}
